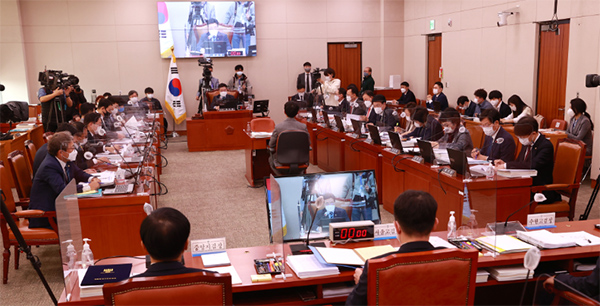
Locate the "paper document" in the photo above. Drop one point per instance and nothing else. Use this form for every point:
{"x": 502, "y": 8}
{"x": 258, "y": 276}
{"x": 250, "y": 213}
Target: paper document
{"x": 261, "y": 134}
{"x": 215, "y": 259}
{"x": 517, "y": 172}
{"x": 374, "y": 251}
{"x": 545, "y": 239}
{"x": 308, "y": 266}
{"x": 581, "y": 238}
{"x": 339, "y": 256}
{"x": 504, "y": 244}
{"x": 473, "y": 161}
{"x": 440, "y": 242}
{"x": 235, "y": 277}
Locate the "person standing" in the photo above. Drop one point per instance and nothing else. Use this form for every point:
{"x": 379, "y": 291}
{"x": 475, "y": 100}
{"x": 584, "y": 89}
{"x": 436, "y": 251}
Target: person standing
{"x": 306, "y": 79}
{"x": 368, "y": 82}
{"x": 329, "y": 88}
{"x": 54, "y": 104}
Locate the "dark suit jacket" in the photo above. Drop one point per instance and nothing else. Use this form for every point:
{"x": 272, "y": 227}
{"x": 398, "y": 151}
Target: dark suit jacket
{"x": 344, "y": 106}
{"x": 505, "y": 110}
{"x": 360, "y": 110}
{"x": 406, "y": 97}
{"x": 541, "y": 158}
{"x": 49, "y": 182}
{"x": 322, "y": 214}
{"x": 441, "y": 98}
{"x": 587, "y": 285}
{"x": 39, "y": 157}
{"x": 218, "y": 101}
{"x": 470, "y": 111}
{"x": 431, "y": 131}
{"x": 301, "y": 81}
{"x": 358, "y": 296}
{"x": 307, "y": 100}
{"x": 168, "y": 268}
{"x": 95, "y": 143}
{"x": 146, "y": 103}
{"x": 387, "y": 121}
{"x": 500, "y": 149}
{"x": 221, "y": 37}
{"x": 368, "y": 83}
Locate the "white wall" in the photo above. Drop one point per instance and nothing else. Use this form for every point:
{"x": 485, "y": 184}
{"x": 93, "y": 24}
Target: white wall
{"x": 113, "y": 45}
{"x": 478, "y": 54}
{"x": 12, "y": 59}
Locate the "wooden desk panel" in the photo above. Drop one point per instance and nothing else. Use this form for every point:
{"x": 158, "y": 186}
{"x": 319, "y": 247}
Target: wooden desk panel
{"x": 330, "y": 150}
{"x": 218, "y": 131}
{"x": 312, "y": 131}
{"x": 257, "y": 159}
{"x": 390, "y": 94}
{"x": 36, "y": 135}
{"x": 392, "y": 181}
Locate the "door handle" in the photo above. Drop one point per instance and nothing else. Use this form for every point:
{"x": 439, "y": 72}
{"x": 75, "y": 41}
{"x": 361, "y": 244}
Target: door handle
{"x": 561, "y": 109}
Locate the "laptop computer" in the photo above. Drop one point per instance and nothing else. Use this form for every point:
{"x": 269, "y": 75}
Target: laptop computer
{"x": 459, "y": 163}
{"x": 357, "y": 127}
{"x": 396, "y": 142}
{"x": 374, "y": 132}
{"x": 339, "y": 124}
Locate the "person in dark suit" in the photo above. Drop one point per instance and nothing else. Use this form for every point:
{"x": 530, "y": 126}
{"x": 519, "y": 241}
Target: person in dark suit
{"x": 414, "y": 214}
{"x": 306, "y": 79}
{"x": 381, "y": 116}
{"x": 165, "y": 234}
{"x": 290, "y": 123}
{"x": 41, "y": 153}
{"x": 407, "y": 94}
{"x": 330, "y": 211}
{"x": 302, "y": 98}
{"x": 466, "y": 105}
{"x": 222, "y": 99}
{"x": 498, "y": 144}
{"x": 537, "y": 153}
{"x": 150, "y": 103}
{"x": 456, "y": 136}
{"x": 588, "y": 285}
{"x": 55, "y": 172}
{"x": 496, "y": 101}
{"x": 208, "y": 41}
{"x": 438, "y": 98}
{"x": 426, "y": 127}
{"x": 480, "y": 101}
{"x": 357, "y": 106}
{"x": 343, "y": 104}
{"x": 104, "y": 108}
{"x": 96, "y": 136}
{"x": 368, "y": 82}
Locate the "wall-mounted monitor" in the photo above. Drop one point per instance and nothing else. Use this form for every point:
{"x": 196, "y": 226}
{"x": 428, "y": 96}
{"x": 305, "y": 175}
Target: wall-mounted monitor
{"x": 207, "y": 28}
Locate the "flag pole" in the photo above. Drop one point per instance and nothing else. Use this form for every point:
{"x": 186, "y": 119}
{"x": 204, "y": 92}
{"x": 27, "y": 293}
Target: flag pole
{"x": 174, "y": 134}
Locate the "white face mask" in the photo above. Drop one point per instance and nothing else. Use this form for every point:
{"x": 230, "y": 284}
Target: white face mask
{"x": 72, "y": 156}
{"x": 327, "y": 78}
{"x": 378, "y": 110}
{"x": 448, "y": 130}
{"x": 114, "y": 111}
{"x": 239, "y": 73}
{"x": 494, "y": 102}
{"x": 134, "y": 99}
{"x": 368, "y": 104}
{"x": 570, "y": 113}
{"x": 84, "y": 141}
{"x": 223, "y": 94}
{"x": 418, "y": 124}
{"x": 513, "y": 108}
{"x": 403, "y": 90}
{"x": 475, "y": 100}
{"x": 348, "y": 98}
{"x": 525, "y": 141}
{"x": 408, "y": 119}
{"x": 435, "y": 91}
{"x": 150, "y": 96}
{"x": 488, "y": 130}
{"x": 329, "y": 207}
{"x": 213, "y": 32}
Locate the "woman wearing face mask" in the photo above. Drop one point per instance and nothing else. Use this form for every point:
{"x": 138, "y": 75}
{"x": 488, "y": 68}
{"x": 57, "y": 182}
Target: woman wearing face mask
{"x": 407, "y": 114}
{"x": 426, "y": 127}
{"x": 580, "y": 126}
{"x": 329, "y": 88}
{"x": 456, "y": 136}
{"x": 133, "y": 98}
{"x": 519, "y": 110}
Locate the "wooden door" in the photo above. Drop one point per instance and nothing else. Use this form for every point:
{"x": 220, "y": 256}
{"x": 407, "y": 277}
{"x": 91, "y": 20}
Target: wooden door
{"x": 552, "y": 71}
{"x": 346, "y": 60}
{"x": 434, "y": 60}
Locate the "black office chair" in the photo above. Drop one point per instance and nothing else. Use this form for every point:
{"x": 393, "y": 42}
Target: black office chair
{"x": 292, "y": 149}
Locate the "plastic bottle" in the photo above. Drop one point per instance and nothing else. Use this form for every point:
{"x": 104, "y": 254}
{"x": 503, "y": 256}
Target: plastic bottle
{"x": 71, "y": 254}
{"x": 94, "y": 96}
{"x": 248, "y": 127}
{"x": 452, "y": 226}
{"x": 490, "y": 172}
{"x": 87, "y": 257}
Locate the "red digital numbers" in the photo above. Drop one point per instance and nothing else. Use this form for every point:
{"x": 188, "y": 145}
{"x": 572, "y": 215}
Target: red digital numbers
{"x": 350, "y": 233}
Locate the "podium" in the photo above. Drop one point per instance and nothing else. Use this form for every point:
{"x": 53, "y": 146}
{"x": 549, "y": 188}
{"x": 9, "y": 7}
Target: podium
{"x": 218, "y": 130}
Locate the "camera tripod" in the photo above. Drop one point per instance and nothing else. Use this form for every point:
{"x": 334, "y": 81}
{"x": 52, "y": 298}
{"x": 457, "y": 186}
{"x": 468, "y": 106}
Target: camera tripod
{"x": 203, "y": 89}
{"x": 53, "y": 110}
{"x": 590, "y": 204}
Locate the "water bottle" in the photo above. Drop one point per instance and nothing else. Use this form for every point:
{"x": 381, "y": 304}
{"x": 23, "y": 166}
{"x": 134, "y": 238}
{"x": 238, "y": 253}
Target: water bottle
{"x": 490, "y": 172}
{"x": 94, "y": 96}
{"x": 71, "y": 254}
{"x": 452, "y": 226}
{"x": 87, "y": 257}
{"x": 248, "y": 129}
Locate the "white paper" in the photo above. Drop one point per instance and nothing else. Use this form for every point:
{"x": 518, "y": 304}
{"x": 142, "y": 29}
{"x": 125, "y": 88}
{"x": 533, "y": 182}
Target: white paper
{"x": 581, "y": 238}
{"x": 339, "y": 256}
{"x": 473, "y": 161}
{"x": 440, "y": 242}
{"x": 235, "y": 277}
{"x": 261, "y": 134}
{"x": 215, "y": 259}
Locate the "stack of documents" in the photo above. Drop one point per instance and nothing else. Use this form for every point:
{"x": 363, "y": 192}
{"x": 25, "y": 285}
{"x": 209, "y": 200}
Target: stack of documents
{"x": 107, "y": 178}
{"x": 350, "y": 257}
{"x": 509, "y": 273}
{"x": 482, "y": 276}
{"x": 306, "y": 266}
{"x": 261, "y": 134}
{"x": 581, "y": 238}
{"x": 517, "y": 172}
{"x": 545, "y": 239}
{"x": 215, "y": 259}
{"x": 503, "y": 244}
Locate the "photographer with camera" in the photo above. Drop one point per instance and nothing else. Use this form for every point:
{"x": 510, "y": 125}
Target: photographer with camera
{"x": 55, "y": 97}
{"x": 329, "y": 89}
{"x": 78, "y": 98}
{"x": 214, "y": 82}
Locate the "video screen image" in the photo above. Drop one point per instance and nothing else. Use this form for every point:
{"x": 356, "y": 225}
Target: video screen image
{"x": 326, "y": 198}
{"x": 207, "y": 28}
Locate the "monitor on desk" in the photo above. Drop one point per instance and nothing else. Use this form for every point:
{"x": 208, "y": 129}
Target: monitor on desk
{"x": 261, "y": 107}
{"x": 355, "y": 194}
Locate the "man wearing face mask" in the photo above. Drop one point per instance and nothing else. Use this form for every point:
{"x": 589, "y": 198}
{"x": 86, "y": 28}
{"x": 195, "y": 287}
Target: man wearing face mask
{"x": 426, "y": 126}
{"x": 368, "y": 82}
{"x": 498, "y": 144}
{"x": 438, "y": 97}
{"x": 537, "y": 153}
{"x": 302, "y": 98}
{"x": 343, "y": 104}
{"x": 456, "y": 136}
{"x": 480, "y": 101}
{"x": 42, "y": 151}
{"x": 240, "y": 81}
{"x": 55, "y": 172}
{"x": 414, "y": 214}
{"x": 407, "y": 94}
{"x": 222, "y": 99}
{"x": 381, "y": 116}
{"x": 133, "y": 98}
{"x": 149, "y": 102}
{"x": 105, "y": 108}
{"x": 305, "y": 79}
{"x": 211, "y": 41}
{"x": 96, "y": 134}
{"x": 368, "y": 100}
{"x": 496, "y": 101}
{"x": 329, "y": 212}
{"x": 357, "y": 106}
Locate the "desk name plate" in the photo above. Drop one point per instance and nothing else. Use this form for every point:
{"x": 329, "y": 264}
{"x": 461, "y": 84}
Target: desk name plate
{"x": 212, "y": 245}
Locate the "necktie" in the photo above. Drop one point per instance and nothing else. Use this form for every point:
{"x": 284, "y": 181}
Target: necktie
{"x": 527, "y": 153}
{"x": 68, "y": 172}
{"x": 330, "y": 215}
{"x": 307, "y": 82}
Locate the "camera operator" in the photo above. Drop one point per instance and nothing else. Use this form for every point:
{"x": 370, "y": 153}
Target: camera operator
{"x": 78, "y": 98}
{"x": 214, "y": 82}
{"x": 329, "y": 89}
{"x": 54, "y": 105}
{"x": 240, "y": 82}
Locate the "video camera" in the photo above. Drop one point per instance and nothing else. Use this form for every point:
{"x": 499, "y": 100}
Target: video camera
{"x": 316, "y": 74}
{"x": 54, "y": 79}
{"x": 206, "y": 63}
{"x": 592, "y": 80}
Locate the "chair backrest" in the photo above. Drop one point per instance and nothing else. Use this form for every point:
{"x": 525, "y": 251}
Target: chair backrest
{"x": 439, "y": 277}
{"x": 9, "y": 200}
{"x": 541, "y": 121}
{"x": 477, "y": 135}
{"x": 568, "y": 161}
{"x": 213, "y": 93}
{"x": 293, "y": 147}
{"x": 20, "y": 173}
{"x": 198, "y": 288}
{"x": 30, "y": 151}
{"x": 558, "y": 124}
{"x": 47, "y": 136}
{"x": 262, "y": 125}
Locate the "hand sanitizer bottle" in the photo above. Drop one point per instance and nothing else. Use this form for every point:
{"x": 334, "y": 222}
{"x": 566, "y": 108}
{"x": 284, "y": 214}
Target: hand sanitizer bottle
{"x": 71, "y": 254}
{"x": 87, "y": 257}
{"x": 451, "y": 226}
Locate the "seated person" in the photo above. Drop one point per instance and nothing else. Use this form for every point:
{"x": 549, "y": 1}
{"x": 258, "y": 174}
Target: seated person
{"x": 407, "y": 94}
{"x": 86, "y": 108}
{"x": 587, "y": 285}
{"x": 302, "y": 98}
{"x": 456, "y": 136}
{"x": 222, "y": 99}
{"x": 426, "y": 127}
{"x": 367, "y": 97}
{"x": 105, "y": 108}
{"x": 498, "y": 144}
{"x": 519, "y": 110}
{"x": 380, "y": 116}
{"x": 80, "y": 140}
{"x": 537, "y": 153}
{"x": 96, "y": 134}
{"x": 480, "y": 101}
{"x": 343, "y": 104}
{"x": 581, "y": 126}
{"x": 329, "y": 212}
{"x": 210, "y": 41}
{"x": 133, "y": 98}
{"x": 165, "y": 234}
{"x": 149, "y": 102}
{"x": 357, "y": 106}
{"x": 464, "y": 107}
{"x": 414, "y": 214}
{"x": 364, "y": 199}
{"x": 289, "y": 124}
{"x": 496, "y": 101}
{"x": 438, "y": 98}
{"x": 408, "y": 111}
{"x": 41, "y": 153}
{"x": 54, "y": 174}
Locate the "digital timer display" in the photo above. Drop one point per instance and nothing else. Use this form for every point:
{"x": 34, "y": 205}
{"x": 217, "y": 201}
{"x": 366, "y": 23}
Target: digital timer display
{"x": 355, "y": 231}
{"x": 235, "y": 53}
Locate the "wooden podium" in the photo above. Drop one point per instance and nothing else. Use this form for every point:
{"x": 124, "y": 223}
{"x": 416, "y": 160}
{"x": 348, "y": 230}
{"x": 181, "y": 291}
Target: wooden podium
{"x": 219, "y": 130}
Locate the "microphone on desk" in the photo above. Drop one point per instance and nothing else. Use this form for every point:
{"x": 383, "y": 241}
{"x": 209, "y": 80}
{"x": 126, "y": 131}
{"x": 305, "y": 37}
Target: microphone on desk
{"x": 530, "y": 262}
{"x": 538, "y": 197}
{"x": 304, "y": 247}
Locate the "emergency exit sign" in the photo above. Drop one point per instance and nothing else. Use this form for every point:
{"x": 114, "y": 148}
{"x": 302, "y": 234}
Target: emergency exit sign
{"x": 431, "y": 25}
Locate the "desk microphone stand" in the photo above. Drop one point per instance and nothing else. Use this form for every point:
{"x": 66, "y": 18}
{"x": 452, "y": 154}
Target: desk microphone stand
{"x": 23, "y": 247}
